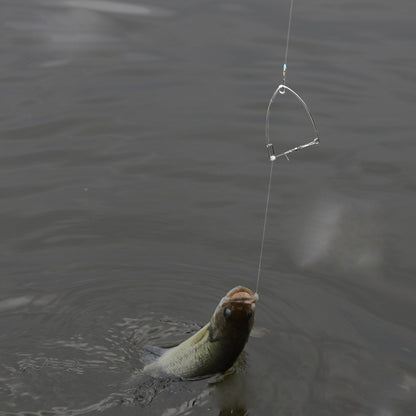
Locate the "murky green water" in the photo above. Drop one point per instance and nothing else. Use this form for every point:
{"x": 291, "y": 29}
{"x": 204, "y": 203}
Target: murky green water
{"x": 132, "y": 192}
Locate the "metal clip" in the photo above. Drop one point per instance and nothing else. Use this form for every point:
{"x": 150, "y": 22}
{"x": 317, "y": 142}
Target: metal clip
{"x": 270, "y": 152}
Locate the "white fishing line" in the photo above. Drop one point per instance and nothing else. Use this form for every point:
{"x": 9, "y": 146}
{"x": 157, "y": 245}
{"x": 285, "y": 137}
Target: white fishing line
{"x": 264, "y": 225}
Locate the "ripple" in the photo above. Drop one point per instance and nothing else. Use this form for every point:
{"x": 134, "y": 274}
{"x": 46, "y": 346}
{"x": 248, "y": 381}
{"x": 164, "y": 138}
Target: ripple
{"x": 79, "y": 360}
{"x": 118, "y": 7}
{"x": 14, "y": 303}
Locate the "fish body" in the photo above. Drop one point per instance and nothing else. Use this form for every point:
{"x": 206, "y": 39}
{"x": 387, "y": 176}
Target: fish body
{"x": 216, "y": 346}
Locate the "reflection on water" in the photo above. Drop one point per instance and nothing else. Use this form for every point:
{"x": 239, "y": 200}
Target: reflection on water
{"x": 116, "y": 7}
{"x": 132, "y": 188}
{"x": 346, "y": 231}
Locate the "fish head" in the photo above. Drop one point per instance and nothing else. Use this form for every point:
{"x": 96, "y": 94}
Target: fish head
{"x": 234, "y": 316}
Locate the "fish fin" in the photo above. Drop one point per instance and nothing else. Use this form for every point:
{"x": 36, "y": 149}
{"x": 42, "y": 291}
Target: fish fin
{"x": 151, "y": 353}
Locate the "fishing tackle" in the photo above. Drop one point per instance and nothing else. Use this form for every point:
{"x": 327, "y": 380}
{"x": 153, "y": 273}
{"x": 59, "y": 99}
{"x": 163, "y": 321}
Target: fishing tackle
{"x": 282, "y": 89}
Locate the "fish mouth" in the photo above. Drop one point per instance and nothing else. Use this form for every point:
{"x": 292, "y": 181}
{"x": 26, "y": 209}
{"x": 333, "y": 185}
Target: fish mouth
{"x": 240, "y": 295}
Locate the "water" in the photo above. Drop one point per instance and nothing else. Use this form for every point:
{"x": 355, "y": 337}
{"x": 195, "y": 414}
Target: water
{"x": 133, "y": 183}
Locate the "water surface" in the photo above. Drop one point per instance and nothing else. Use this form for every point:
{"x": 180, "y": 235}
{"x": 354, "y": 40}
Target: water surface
{"x": 133, "y": 185}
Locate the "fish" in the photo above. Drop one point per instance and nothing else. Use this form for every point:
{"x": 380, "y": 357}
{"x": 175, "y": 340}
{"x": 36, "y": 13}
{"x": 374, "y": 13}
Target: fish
{"x": 217, "y": 345}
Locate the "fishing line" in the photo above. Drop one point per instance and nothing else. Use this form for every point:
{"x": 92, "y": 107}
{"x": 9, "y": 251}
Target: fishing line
{"x": 287, "y": 41}
{"x": 264, "y": 226}
{"x": 281, "y": 89}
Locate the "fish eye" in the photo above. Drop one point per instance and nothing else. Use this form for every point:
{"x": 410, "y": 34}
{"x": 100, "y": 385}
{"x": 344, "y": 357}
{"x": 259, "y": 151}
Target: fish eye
{"x": 227, "y": 312}
{"x": 249, "y": 315}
